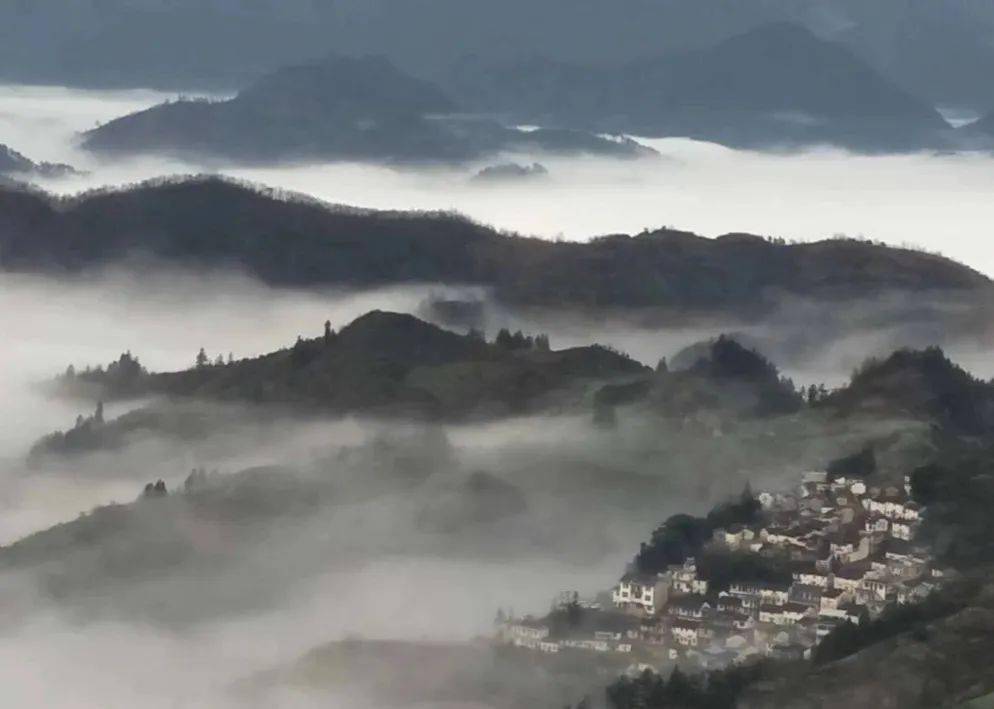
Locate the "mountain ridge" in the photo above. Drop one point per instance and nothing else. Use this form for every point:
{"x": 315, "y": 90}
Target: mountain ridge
{"x": 336, "y": 108}
{"x": 212, "y": 222}
{"x": 774, "y": 85}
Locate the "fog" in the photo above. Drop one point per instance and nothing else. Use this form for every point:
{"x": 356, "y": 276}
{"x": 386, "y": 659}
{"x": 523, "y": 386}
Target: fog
{"x": 247, "y": 595}
{"x": 185, "y": 637}
{"x": 280, "y": 600}
{"x": 184, "y": 601}
{"x": 935, "y": 201}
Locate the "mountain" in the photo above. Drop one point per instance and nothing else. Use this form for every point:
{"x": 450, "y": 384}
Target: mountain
{"x": 777, "y": 84}
{"x": 921, "y": 383}
{"x": 212, "y": 222}
{"x": 735, "y": 378}
{"x": 511, "y": 172}
{"x": 715, "y": 382}
{"x": 930, "y": 662}
{"x": 340, "y": 108}
{"x": 939, "y": 50}
{"x": 12, "y": 163}
{"x": 384, "y": 363}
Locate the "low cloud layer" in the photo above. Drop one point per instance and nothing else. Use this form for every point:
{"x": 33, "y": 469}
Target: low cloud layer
{"x": 371, "y": 552}
{"x": 936, "y": 201}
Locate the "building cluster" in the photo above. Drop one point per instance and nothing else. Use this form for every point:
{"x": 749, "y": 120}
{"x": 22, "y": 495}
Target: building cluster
{"x": 845, "y": 551}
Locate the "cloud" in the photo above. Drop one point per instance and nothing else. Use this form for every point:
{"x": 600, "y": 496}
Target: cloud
{"x": 353, "y": 560}
{"x": 936, "y": 201}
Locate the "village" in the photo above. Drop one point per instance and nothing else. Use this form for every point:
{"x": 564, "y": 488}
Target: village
{"x": 848, "y": 552}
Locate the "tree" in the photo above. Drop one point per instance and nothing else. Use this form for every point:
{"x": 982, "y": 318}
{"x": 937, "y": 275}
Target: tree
{"x": 158, "y": 489}
{"x": 858, "y": 465}
{"x": 748, "y": 500}
{"x": 329, "y": 334}
{"x": 98, "y": 415}
{"x": 542, "y": 343}
{"x": 504, "y": 339}
{"x": 574, "y": 611}
{"x": 679, "y": 687}
{"x": 202, "y": 360}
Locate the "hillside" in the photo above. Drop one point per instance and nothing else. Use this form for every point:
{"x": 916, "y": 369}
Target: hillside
{"x": 210, "y": 222}
{"x": 386, "y": 363}
{"x": 339, "y": 108}
{"x": 939, "y": 663}
{"x": 458, "y": 675}
{"x": 931, "y": 653}
{"x": 716, "y": 382}
{"x": 13, "y": 163}
{"x": 922, "y": 384}
{"x": 777, "y": 84}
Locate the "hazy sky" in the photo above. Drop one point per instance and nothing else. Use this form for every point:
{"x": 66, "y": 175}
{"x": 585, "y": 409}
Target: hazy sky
{"x": 940, "y": 202}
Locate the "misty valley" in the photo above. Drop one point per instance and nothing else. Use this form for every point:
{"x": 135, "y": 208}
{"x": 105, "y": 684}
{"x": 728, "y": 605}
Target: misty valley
{"x": 455, "y": 473}
{"x": 384, "y": 355}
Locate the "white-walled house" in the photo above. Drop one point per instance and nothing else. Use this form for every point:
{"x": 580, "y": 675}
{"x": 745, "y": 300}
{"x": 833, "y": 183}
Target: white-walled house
{"x": 526, "y": 632}
{"x": 686, "y": 632}
{"x": 813, "y": 577}
{"x": 642, "y": 593}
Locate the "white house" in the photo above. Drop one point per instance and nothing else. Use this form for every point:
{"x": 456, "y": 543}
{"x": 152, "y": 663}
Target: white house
{"x": 901, "y": 529}
{"x": 642, "y": 593}
{"x": 813, "y": 578}
{"x": 832, "y": 599}
{"x": 774, "y": 595}
{"x": 527, "y": 629}
{"x": 686, "y": 632}
{"x": 787, "y": 614}
{"x": 685, "y": 578}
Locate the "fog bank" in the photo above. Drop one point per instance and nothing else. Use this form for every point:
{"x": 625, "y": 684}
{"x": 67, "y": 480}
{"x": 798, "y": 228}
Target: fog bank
{"x": 936, "y": 201}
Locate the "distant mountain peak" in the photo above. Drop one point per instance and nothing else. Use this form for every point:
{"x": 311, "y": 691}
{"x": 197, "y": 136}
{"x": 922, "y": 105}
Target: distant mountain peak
{"x": 921, "y": 383}
{"x": 13, "y": 163}
{"x": 371, "y": 83}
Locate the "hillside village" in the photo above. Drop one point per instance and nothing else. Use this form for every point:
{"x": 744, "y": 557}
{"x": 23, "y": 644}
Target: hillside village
{"x": 846, "y": 550}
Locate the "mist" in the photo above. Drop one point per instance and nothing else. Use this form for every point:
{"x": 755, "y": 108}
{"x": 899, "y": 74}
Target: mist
{"x": 939, "y": 202}
{"x": 165, "y": 316}
{"x": 251, "y": 594}
{"x": 219, "y": 591}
